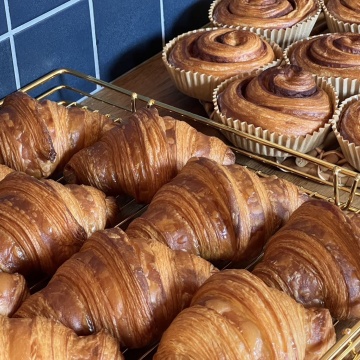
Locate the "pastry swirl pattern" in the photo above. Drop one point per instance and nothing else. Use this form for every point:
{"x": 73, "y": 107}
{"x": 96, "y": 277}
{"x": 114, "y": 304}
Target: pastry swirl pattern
{"x": 344, "y": 10}
{"x": 221, "y": 52}
{"x": 273, "y": 14}
{"x": 349, "y": 125}
{"x": 284, "y": 100}
{"x": 331, "y": 55}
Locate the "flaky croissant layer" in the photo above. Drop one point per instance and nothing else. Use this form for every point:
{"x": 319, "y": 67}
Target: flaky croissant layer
{"x": 234, "y": 315}
{"x": 45, "y": 339}
{"x": 142, "y": 154}
{"x": 131, "y": 287}
{"x": 39, "y": 137}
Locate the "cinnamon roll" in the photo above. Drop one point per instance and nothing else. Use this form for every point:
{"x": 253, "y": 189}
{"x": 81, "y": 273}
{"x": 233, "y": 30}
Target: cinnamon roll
{"x": 344, "y": 10}
{"x": 346, "y": 126}
{"x": 330, "y": 55}
{"x": 275, "y": 14}
{"x": 285, "y": 100}
{"x": 221, "y": 52}
{"x": 199, "y": 60}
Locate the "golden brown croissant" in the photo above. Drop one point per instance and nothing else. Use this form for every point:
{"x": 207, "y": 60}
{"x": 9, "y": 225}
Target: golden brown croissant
{"x": 40, "y": 137}
{"x": 42, "y": 222}
{"x": 41, "y": 338}
{"x": 13, "y": 291}
{"x": 234, "y": 315}
{"x": 263, "y": 14}
{"x": 131, "y": 287}
{"x": 219, "y": 212}
{"x": 284, "y": 100}
{"x": 142, "y": 154}
{"x": 315, "y": 259}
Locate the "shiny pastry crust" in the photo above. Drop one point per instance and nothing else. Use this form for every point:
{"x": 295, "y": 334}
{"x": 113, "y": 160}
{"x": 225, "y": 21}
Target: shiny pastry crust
{"x": 277, "y": 14}
{"x": 221, "y": 52}
{"x": 284, "y": 100}
{"x": 329, "y": 55}
{"x": 344, "y": 10}
{"x": 314, "y": 259}
{"x": 234, "y": 315}
{"x": 349, "y": 123}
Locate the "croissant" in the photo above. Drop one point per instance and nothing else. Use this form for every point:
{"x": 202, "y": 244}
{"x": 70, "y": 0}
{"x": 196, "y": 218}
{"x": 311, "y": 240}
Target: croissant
{"x": 42, "y": 222}
{"x": 41, "y": 338}
{"x": 234, "y": 315}
{"x": 39, "y": 137}
{"x": 142, "y": 154}
{"x": 133, "y": 288}
{"x": 314, "y": 259}
{"x": 13, "y": 291}
{"x": 219, "y": 212}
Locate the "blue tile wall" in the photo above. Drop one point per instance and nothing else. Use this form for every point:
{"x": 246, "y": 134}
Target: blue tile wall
{"x": 23, "y": 11}
{"x": 3, "y": 24}
{"x": 102, "y": 38}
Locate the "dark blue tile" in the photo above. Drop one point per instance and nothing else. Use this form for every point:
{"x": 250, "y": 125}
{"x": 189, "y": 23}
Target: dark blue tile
{"x": 62, "y": 41}
{"x": 185, "y": 15}
{"x": 127, "y": 32}
{"x": 3, "y": 24}
{"x": 7, "y": 79}
{"x": 22, "y": 11}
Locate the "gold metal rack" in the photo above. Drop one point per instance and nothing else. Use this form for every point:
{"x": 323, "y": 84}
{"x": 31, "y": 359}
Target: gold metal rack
{"x": 117, "y": 103}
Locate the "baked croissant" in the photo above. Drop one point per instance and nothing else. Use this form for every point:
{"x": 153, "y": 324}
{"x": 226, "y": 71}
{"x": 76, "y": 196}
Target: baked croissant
{"x": 133, "y": 288}
{"x": 142, "y": 154}
{"x": 315, "y": 259}
{"x": 42, "y": 222}
{"x": 234, "y": 315}
{"x": 39, "y": 137}
{"x": 41, "y": 338}
{"x": 219, "y": 212}
{"x": 13, "y": 291}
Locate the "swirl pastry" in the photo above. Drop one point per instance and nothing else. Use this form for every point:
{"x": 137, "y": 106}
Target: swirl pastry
{"x": 276, "y": 14}
{"x": 221, "y": 52}
{"x": 344, "y": 10}
{"x": 234, "y": 315}
{"x": 284, "y": 100}
{"x": 329, "y": 55}
{"x": 349, "y": 122}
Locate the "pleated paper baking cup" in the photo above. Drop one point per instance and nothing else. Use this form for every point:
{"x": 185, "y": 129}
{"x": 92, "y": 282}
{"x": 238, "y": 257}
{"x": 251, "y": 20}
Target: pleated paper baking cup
{"x": 283, "y": 37}
{"x": 350, "y": 151}
{"x": 302, "y": 144}
{"x": 336, "y": 25}
{"x": 198, "y": 85}
{"x": 344, "y": 87}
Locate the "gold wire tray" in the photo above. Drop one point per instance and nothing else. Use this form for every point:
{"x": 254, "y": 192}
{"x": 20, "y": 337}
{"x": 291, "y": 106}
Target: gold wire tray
{"x": 117, "y": 102}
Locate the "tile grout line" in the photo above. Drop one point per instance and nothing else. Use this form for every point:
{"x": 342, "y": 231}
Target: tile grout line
{"x": 162, "y": 21}
{"x": 12, "y": 45}
{"x": 93, "y": 35}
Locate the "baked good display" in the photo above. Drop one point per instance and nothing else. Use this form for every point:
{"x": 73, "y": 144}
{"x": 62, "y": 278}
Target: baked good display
{"x": 284, "y": 105}
{"x": 199, "y": 60}
{"x": 142, "y": 154}
{"x": 280, "y": 21}
{"x": 13, "y": 291}
{"x": 234, "y": 315}
{"x": 39, "y": 137}
{"x": 314, "y": 259}
{"x": 137, "y": 288}
{"x": 342, "y": 15}
{"x": 331, "y": 56}
{"x": 44, "y": 222}
{"x": 346, "y": 127}
{"x": 218, "y": 212}
{"x": 41, "y": 338}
